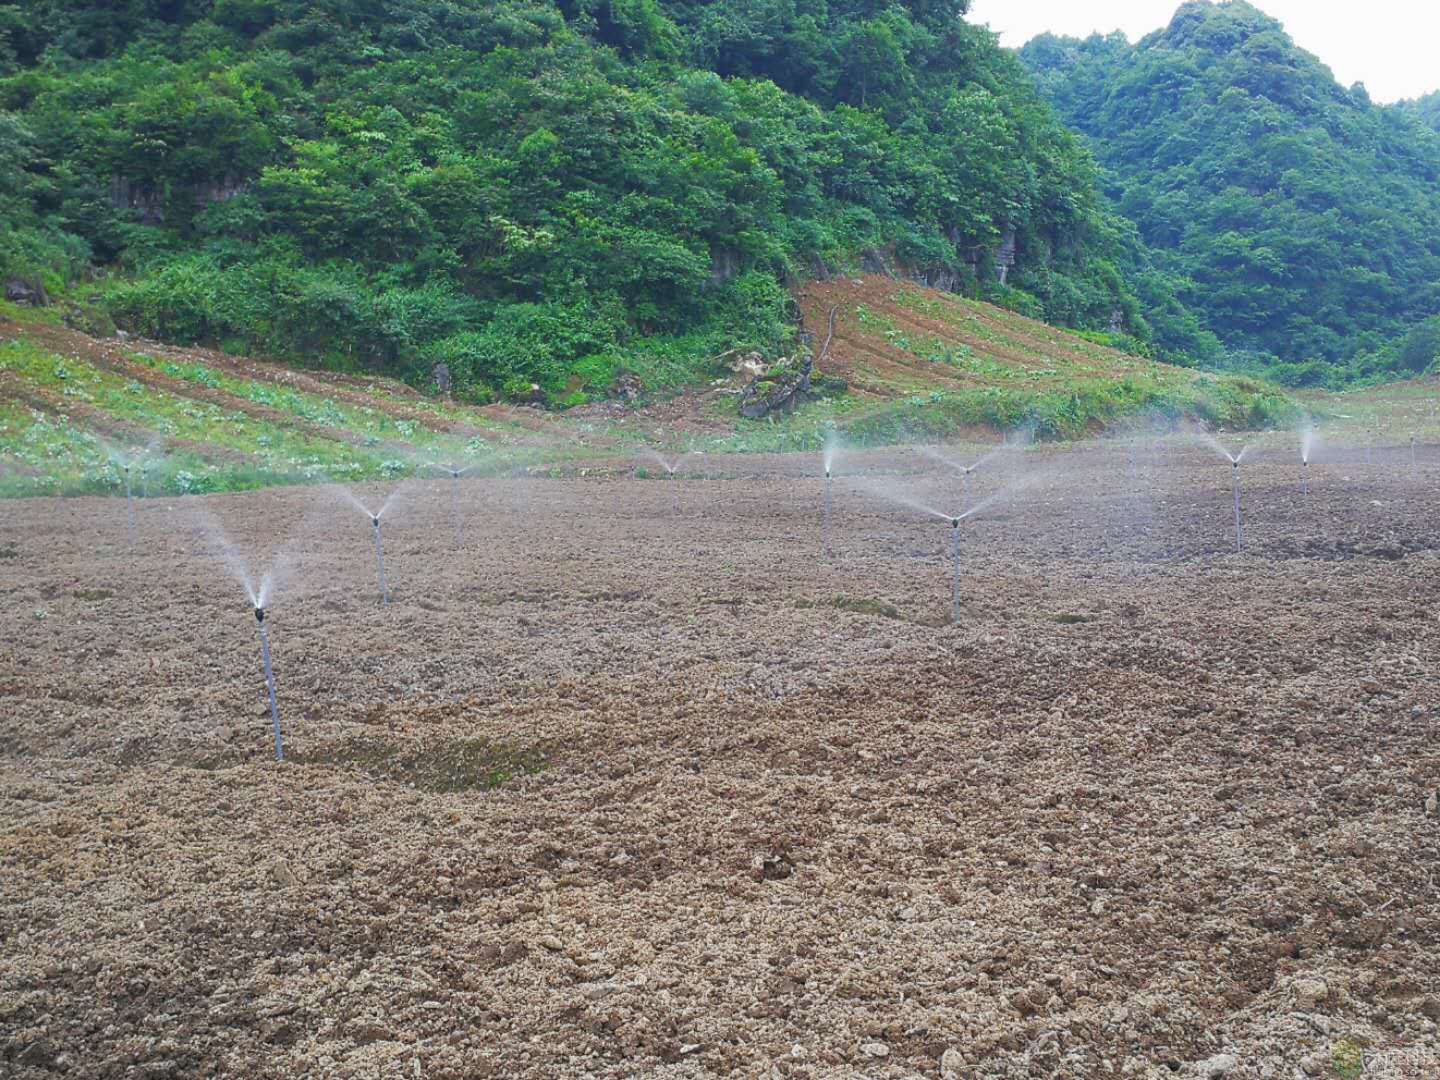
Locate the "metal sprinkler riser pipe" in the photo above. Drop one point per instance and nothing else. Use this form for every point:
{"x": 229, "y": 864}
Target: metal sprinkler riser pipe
{"x": 270, "y": 683}
{"x": 380, "y": 559}
{"x": 825, "y": 529}
{"x": 1239, "y": 531}
{"x": 955, "y": 580}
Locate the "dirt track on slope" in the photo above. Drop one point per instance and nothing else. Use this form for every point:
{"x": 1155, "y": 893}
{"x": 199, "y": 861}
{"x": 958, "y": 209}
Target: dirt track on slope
{"x": 1149, "y": 803}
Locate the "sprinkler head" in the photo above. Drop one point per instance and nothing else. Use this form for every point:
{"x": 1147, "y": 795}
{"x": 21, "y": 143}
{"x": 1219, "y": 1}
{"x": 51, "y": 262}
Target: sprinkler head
{"x": 375, "y": 520}
{"x": 955, "y": 523}
{"x": 259, "y": 614}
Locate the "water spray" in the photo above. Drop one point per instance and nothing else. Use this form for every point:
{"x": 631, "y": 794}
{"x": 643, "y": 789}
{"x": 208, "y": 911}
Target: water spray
{"x": 270, "y": 682}
{"x": 380, "y": 559}
{"x": 1307, "y": 448}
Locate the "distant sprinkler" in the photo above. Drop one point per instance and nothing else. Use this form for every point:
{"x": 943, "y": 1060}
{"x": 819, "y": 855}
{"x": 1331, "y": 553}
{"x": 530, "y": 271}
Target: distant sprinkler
{"x": 1414, "y": 466}
{"x": 1235, "y": 484}
{"x": 1305, "y": 476}
{"x": 129, "y": 505}
{"x": 455, "y": 507}
{"x": 380, "y": 559}
{"x": 269, "y": 682}
{"x": 827, "y": 510}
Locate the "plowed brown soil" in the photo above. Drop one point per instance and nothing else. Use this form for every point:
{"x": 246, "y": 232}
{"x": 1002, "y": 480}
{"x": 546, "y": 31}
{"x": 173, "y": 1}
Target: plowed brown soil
{"x": 1151, "y": 808}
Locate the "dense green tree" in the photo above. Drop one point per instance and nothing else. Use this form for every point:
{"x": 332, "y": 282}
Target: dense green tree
{"x": 529, "y": 189}
{"x": 1302, "y": 221}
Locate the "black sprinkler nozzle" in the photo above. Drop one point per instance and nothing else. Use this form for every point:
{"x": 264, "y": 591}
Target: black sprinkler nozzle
{"x": 259, "y": 614}
{"x": 954, "y": 523}
{"x": 375, "y": 520}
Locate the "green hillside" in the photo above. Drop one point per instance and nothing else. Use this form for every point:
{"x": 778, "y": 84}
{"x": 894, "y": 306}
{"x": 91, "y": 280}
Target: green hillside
{"x": 1425, "y": 109}
{"x": 74, "y": 409}
{"x": 1304, "y": 219}
{"x": 537, "y": 193}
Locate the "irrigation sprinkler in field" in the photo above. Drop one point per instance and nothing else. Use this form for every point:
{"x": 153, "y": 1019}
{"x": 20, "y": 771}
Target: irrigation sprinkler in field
{"x": 669, "y": 467}
{"x": 1234, "y": 459}
{"x": 1414, "y": 467}
{"x": 457, "y": 519}
{"x": 1307, "y": 449}
{"x": 129, "y": 503}
{"x": 1235, "y": 483}
{"x": 375, "y": 517}
{"x": 380, "y": 558}
{"x": 826, "y": 512}
{"x": 269, "y": 681}
{"x": 955, "y": 577}
{"x": 827, "y": 506}
{"x": 954, "y": 521}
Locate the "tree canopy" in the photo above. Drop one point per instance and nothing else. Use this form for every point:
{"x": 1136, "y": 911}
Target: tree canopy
{"x": 540, "y": 192}
{"x": 1303, "y": 219}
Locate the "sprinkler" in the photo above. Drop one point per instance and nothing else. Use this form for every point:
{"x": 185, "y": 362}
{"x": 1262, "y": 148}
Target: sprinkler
{"x": 129, "y": 505}
{"x": 380, "y": 559}
{"x": 1304, "y": 476}
{"x": 1413, "y": 466}
{"x": 454, "y": 508}
{"x": 145, "y": 481}
{"x": 825, "y": 516}
{"x": 269, "y": 682}
{"x": 955, "y": 580}
{"x": 1235, "y": 483}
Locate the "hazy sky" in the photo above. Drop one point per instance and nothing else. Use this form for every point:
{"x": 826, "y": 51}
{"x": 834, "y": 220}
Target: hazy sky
{"x": 1389, "y": 45}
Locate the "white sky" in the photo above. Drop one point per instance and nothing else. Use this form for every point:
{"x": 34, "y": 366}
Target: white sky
{"x": 1389, "y": 45}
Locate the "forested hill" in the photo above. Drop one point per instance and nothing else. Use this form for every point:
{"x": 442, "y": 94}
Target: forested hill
{"x": 1427, "y": 109}
{"x": 1306, "y": 218}
{"x": 539, "y": 192}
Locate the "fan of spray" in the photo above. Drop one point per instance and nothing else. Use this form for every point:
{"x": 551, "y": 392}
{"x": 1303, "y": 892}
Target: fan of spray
{"x": 455, "y": 472}
{"x": 129, "y": 460}
{"x": 966, "y": 471}
{"x": 669, "y": 467}
{"x": 1235, "y": 460}
{"x": 375, "y": 517}
{"x": 1307, "y": 453}
{"x": 260, "y": 595}
{"x": 955, "y": 520}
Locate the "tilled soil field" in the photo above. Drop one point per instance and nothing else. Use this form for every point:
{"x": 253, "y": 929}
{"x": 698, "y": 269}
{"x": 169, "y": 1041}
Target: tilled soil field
{"x": 635, "y": 782}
